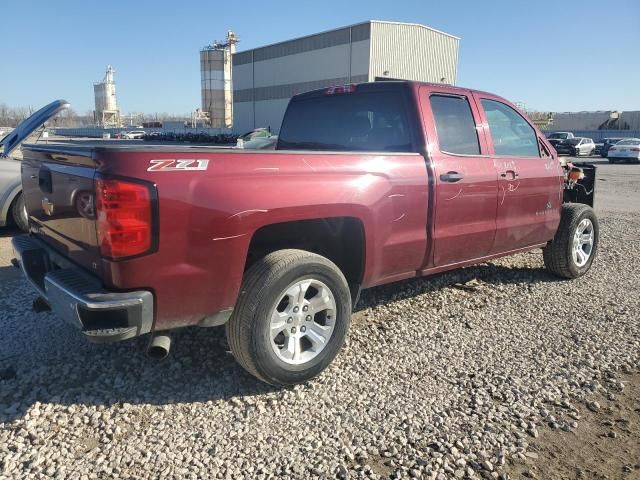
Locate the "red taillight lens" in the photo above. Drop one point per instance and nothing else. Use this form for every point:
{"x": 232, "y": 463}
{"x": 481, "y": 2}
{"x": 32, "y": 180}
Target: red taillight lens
{"x": 124, "y": 218}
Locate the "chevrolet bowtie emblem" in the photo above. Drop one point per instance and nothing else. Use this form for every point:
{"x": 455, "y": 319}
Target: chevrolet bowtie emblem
{"x": 47, "y": 206}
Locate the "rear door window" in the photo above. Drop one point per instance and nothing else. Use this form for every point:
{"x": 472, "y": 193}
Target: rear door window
{"x": 455, "y": 125}
{"x": 366, "y": 121}
{"x": 511, "y": 134}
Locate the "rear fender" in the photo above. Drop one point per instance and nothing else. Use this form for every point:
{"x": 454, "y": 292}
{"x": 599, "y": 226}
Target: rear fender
{"x": 6, "y": 201}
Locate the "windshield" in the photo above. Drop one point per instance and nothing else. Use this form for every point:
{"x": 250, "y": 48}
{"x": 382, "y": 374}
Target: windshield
{"x": 560, "y": 136}
{"x": 373, "y": 121}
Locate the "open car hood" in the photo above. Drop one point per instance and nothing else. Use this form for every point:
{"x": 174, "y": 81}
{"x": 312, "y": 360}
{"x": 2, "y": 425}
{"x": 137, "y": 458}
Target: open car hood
{"x": 29, "y": 125}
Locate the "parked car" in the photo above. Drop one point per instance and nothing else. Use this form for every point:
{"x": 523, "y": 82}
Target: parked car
{"x": 134, "y": 134}
{"x": 255, "y": 133}
{"x": 277, "y": 245}
{"x": 259, "y": 143}
{"x": 12, "y": 208}
{"x": 557, "y": 137}
{"x": 12, "y": 203}
{"x": 576, "y": 147}
{"x": 606, "y": 145}
{"x": 627, "y": 150}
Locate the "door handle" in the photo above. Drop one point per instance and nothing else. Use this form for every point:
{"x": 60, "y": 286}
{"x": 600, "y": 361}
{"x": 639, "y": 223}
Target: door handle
{"x": 451, "y": 177}
{"x": 513, "y": 173}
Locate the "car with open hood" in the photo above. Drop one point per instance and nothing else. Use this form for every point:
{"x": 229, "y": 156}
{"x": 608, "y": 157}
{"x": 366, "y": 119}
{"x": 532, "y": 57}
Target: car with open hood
{"x": 12, "y": 206}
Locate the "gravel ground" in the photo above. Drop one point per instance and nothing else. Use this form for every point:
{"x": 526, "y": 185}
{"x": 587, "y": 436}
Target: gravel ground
{"x": 451, "y": 376}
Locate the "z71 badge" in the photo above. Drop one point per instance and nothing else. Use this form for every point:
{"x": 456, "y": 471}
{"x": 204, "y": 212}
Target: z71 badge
{"x": 178, "y": 165}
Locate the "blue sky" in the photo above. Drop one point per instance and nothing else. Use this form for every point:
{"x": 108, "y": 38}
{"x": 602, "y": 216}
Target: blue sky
{"x": 562, "y": 55}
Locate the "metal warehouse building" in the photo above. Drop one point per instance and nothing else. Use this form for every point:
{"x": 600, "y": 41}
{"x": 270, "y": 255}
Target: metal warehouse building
{"x": 265, "y": 78}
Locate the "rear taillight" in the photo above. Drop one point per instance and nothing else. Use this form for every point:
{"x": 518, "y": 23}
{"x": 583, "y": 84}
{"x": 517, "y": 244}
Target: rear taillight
{"x": 124, "y": 213}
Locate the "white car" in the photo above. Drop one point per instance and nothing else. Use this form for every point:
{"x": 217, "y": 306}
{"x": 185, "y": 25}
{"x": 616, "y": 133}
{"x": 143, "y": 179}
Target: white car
{"x": 133, "y": 134}
{"x": 576, "y": 147}
{"x": 585, "y": 147}
{"x": 627, "y": 150}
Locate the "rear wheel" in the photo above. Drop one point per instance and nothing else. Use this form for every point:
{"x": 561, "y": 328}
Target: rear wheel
{"x": 19, "y": 213}
{"x": 572, "y": 250}
{"x": 292, "y": 317}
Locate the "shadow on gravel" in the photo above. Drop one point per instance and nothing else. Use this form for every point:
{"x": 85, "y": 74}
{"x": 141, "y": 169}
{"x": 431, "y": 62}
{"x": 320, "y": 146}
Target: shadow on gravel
{"x": 53, "y": 364}
{"x": 199, "y": 369}
{"x": 487, "y": 273}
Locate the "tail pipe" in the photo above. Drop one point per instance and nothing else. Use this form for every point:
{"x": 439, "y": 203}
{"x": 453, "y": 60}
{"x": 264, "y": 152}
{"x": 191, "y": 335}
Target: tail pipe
{"x": 159, "y": 347}
{"x": 40, "y": 305}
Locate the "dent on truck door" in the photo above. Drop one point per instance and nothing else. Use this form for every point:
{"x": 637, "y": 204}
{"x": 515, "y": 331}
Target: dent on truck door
{"x": 464, "y": 219}
{"x": 529, "y": 196}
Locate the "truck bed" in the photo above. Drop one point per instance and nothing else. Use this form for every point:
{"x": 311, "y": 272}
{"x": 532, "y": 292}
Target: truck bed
{"x": 208, "y": 212}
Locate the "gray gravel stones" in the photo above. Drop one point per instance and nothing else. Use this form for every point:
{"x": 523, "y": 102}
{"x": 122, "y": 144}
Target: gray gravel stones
{"x": 435, "y": 382}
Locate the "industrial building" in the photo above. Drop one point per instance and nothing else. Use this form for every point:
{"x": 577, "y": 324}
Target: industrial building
{"x": 265, "y": 78}
{"x": 600, "y": 120}
{"x": 216, "y": 74}
{"x": 106, "y": 113}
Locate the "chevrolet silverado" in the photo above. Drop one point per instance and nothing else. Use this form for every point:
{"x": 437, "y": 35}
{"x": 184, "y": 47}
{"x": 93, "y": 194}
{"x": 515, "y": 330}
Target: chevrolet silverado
{"x": 369, "y": 184}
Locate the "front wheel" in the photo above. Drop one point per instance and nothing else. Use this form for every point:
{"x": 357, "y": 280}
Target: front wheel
{"x": 19, "y": 213}
{"x": 572, "y": 250}
{"x": 291, "y": 318}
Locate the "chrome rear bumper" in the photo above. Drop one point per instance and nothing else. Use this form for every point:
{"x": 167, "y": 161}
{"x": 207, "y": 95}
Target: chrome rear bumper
{"x": 79, "y": 298}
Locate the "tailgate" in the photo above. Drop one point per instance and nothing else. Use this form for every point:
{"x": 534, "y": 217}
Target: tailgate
{"x": 58, "y": 186}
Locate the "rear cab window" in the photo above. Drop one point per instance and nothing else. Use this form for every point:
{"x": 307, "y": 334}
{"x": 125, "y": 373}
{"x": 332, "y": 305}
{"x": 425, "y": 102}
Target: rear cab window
{"x": 455, "y": 125}
{"x": 364, "y": 120}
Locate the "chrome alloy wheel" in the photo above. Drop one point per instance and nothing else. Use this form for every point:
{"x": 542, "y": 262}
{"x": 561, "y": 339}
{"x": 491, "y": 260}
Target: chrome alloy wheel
{"x": 302, "y": 321}
{"x": 583, "y": 241}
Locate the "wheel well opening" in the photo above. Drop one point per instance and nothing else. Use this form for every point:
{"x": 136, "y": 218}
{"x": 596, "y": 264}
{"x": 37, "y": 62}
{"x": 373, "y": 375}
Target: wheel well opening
{"x": 340, "y": 239}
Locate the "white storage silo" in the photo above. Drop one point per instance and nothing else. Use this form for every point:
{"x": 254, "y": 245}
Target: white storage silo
{"x": 216, "y": 81}
{"x": 106, "y": 113}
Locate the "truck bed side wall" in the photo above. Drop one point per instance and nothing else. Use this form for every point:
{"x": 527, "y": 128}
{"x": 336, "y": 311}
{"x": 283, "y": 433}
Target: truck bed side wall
{"x": 208, "y": 217}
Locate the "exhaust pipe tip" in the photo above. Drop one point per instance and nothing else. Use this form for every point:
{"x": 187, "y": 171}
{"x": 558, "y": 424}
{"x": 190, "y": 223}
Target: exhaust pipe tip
{"x": 40, "y": 305}
{"x": 159, "y": 347}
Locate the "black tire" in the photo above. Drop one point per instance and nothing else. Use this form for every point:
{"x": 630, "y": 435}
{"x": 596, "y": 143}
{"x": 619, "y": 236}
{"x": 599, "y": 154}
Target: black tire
{"x": 19, "y": 213}
{"x": 558, "y": 253}
{"x": 248, "y": 329}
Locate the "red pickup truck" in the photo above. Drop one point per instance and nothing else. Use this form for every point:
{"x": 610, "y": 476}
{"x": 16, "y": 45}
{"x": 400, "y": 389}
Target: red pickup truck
{"x": 369, "y": 184}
